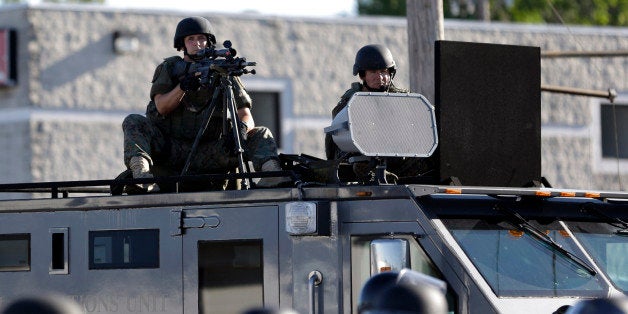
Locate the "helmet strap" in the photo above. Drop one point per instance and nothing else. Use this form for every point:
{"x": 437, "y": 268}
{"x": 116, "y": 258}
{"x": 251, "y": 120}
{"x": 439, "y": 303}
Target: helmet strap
{"x": 192, "y": 57}
{"x": 377, "y": 90}
{"x": 382, "y": 89}
{"x": 195, "y": 57}
{"x": 185, "y": 53}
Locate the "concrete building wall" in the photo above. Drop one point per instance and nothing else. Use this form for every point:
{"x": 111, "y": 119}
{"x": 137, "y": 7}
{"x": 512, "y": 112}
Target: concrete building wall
{"x": 73, "y": 90}
{"x": 15, "y": 147}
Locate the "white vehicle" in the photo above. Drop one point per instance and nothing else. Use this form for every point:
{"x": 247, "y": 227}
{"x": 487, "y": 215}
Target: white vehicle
{"x": 500, "y": 250}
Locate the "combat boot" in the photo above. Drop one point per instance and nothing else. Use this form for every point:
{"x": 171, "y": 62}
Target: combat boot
{"x": 271, "y": 182}
{"x": 141, "y": 169}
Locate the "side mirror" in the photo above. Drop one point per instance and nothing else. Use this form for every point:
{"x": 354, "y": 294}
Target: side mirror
{"x": 389, "y": 255}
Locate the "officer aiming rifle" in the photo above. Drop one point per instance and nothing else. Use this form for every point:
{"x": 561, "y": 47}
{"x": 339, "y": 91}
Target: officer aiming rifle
{"x": 210, "y": 59}
{"x": 217, "y": 67}
{"x": 185, "y": 131}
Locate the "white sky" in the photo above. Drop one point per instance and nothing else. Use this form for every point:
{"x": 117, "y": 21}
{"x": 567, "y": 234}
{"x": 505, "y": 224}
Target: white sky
{"x": 311, "y": 8}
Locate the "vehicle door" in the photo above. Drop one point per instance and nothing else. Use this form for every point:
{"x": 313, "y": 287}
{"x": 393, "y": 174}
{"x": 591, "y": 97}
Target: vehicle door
{"x": 387, "y": 235}
{"x": 230, "y": 260}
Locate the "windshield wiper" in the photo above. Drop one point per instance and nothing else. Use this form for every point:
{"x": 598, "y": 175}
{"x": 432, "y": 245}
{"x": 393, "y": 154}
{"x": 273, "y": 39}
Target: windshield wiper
{"x": 523, "y": 225}
{"x": 621, "y": 225}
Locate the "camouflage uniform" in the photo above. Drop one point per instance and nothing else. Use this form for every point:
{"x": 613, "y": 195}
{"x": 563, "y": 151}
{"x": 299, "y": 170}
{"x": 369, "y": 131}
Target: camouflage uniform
{"x": 166, "y": 140}
{"x": 400, "y": 166}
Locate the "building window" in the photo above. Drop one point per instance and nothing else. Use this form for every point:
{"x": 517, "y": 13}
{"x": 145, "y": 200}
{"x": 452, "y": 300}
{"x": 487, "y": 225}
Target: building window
{"x": 272, "y": 106}
{"x": 8, "y": 57}
{"x": 15, "y": 252}
{"x": 115, "y": 249}
{"x": 609, "y": 136}
{"x": 266, "y": 112}
{"x": 614, "y": 128}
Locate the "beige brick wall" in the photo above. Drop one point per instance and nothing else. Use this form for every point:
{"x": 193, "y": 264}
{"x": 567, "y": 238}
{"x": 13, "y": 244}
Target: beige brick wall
{"x": 74, "y": 91}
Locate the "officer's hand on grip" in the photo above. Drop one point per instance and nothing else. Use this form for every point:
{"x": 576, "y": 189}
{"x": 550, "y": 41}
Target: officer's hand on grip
{"x": 190, "y": 83}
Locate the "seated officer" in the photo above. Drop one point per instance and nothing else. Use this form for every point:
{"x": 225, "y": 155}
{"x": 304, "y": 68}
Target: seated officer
{"x": 161, "y": 142}
{"x": 375, "y": 66}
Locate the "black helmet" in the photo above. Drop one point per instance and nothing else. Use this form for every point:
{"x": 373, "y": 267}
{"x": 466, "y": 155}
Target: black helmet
{"x": 616, "y": 305}
{"x": 374, "y": 287}
{"x": 406, "y": 291}
{"x": 49, "y": 304}
{"x": 265, "y": 310}
{"x": 374, "y": 57}
{"x": 190, "y": 26}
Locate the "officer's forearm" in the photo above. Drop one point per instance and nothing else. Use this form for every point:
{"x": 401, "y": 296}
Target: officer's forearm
{"x": 245, "y": 116}
{"x": 168, "y": 102}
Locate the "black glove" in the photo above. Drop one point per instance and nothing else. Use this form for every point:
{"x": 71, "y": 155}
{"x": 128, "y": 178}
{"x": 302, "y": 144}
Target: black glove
{"x": 190, "y": 83}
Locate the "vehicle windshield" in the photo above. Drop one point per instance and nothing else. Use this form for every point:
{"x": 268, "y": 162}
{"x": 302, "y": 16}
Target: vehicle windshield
{"x": 516, "y": 264}
{"x": 607, "y": 247}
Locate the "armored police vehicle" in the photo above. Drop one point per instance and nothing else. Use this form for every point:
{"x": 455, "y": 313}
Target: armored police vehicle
{"x": 502, "y": 243}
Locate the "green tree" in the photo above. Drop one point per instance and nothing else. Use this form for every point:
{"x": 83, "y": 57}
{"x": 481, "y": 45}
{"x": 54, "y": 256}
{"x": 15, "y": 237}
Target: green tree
{"x": 382, "y": 7}
{"x": 582, "y": 12}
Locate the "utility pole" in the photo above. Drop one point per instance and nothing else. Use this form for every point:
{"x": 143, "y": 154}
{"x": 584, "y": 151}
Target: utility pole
{"x": 425, "y": 26}
{"x": 484, "y": 10}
